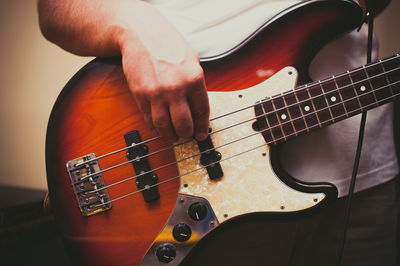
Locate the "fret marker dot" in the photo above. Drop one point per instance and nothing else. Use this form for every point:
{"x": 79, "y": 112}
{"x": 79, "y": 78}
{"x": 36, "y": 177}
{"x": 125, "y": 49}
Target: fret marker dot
{"x": 333, "y": 99}
{"x": 283, "y": 116}
{"x": 307, "y": 108}
{"x": 363, "y": 88}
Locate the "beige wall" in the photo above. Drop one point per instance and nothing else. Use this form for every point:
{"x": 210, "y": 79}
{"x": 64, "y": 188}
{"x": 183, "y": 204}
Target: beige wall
{"x": 33, "y": 72}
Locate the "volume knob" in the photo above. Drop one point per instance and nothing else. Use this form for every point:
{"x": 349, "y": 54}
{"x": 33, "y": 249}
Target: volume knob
{"x": 166, "y": 252}
{"x": 197, "y": 211}
{"x": 182, "y": 232}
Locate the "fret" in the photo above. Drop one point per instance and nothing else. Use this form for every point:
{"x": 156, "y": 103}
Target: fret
{"x": 392, "y": 69}
{"x": 305, "y": 103}
{"x": 308, "y": 87}
{"x": 347, "y": 93}
{"x": 362, "y": 87}
{"x": 327, "y": 105}
{"x": 355, "y": 90}
{"x": 333, "y": 99}
{"x": 298, "y": 121}
{"x": 374, "y": 72}
{"x": 273, "y": 120}
{"x": 378, "y": 82}
{"x": 319, "y": 104}
{"x": 341, "y": 86}
{"x": 387, "y": 68}
{"x": 300, "y": 108}
{"x": 283, "y": 116}
{"x": 262, "y": 123}
{"x": 290, "y": 115}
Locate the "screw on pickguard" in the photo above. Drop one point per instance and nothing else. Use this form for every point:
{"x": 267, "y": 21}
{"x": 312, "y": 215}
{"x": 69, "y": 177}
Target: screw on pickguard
{"x": 210, "y": 158}
{"x": 88, "y": 184}
{"x": 146, "y": 179}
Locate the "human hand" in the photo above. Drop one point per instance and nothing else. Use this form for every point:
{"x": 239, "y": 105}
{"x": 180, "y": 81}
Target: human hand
{"x": 167, "y": 82}
{"x": 162, "y": 70}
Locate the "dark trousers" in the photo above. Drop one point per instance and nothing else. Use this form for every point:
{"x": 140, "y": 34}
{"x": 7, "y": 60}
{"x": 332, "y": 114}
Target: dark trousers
{"x": 310, "y": 240}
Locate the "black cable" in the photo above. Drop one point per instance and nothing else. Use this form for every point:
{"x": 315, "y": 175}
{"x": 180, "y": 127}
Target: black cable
{"x": 358, "y": 153}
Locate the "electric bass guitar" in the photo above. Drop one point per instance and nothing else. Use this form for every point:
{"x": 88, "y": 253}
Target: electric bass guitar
{"x": 124, "y": 196}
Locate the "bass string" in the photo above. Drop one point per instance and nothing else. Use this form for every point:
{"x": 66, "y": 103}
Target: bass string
{"x": 228, "y": 158}
{"x": 171, "y": 147}
{"x": 319, "y": 81}
{"x": 176, "y": 162}
{"x": 178, "y": 176}
{"x": 237, "y": 140}
{"x": 242, "y": 122}
{"x": 265, "y": 100}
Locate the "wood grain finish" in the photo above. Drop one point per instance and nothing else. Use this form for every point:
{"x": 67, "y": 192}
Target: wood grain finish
{"x": 95, "y": 110}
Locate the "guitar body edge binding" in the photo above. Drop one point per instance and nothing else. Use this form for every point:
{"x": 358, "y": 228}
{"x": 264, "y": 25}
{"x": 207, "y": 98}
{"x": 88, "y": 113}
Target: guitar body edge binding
{"x": 95, "y": 110}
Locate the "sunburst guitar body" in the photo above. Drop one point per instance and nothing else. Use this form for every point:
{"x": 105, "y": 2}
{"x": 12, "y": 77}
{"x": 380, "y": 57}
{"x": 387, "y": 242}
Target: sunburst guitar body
{"x": 124, "y": 196}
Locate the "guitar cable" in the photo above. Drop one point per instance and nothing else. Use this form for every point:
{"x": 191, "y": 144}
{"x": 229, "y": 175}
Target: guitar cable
{"x": 370, "y": 21}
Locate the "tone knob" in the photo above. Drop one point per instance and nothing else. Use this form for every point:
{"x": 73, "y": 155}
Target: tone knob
{"x": 166, "y": 252}
{"x": 181, "y": 232}
{"x": 197, "y": 211}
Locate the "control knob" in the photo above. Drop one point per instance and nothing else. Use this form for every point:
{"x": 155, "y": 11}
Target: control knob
{"x": 197, "y": 211}
{"x": 166, "y": 252}
{"x": 182, "y": 232}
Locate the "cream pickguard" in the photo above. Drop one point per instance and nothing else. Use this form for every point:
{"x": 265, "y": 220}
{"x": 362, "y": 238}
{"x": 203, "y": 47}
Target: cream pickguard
{"x": 249, "y": 183}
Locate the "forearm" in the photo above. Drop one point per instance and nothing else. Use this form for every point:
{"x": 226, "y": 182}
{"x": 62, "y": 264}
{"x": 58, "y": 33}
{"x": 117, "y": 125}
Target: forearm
{"x": 102, "y": 28}
{"x": 81, "y": 27}
{"x": 162, "y": 70}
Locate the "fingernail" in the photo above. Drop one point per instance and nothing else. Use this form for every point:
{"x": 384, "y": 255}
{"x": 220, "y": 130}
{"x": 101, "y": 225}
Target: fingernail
{"x": 201, "y": 136}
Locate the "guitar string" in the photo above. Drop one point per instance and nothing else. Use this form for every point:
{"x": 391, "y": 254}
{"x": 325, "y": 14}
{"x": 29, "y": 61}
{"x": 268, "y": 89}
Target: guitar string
{"x": 225, "y": 144}
{"x": 138, "y": 158}
{"x": 228, "y": 158}
{"x": 248, "y": 136}
{"x": 263, "y": 101}
{"x": 242, "y": 122}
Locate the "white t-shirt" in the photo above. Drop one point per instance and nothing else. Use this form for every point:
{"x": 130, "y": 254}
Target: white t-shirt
{"x": 215, "y": 26}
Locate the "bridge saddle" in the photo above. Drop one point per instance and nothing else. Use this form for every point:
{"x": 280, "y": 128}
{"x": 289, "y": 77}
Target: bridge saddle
{"x": 88, "y": 184}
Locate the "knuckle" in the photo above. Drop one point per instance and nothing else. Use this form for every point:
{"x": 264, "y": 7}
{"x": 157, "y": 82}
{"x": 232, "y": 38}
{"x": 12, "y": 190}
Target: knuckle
{"x": 196, "y": 75}
{"x": 153, "y": 93}
{"x": 174, "y": 88}
{"x": 164, "y": 90}
{"x": 144, "y": 91}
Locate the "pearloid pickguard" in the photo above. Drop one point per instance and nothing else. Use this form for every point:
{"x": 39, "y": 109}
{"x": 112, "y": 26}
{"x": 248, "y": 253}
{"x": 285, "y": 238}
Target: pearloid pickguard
{"x": 249, "y": 183}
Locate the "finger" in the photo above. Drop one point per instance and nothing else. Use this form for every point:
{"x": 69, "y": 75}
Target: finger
{"x": 149, "y": 122}
{"x": 200, "y": 108}
{"x": 145, "y": 108}
{"x": 181, "y": 117}
{"x": 162, "y": 121}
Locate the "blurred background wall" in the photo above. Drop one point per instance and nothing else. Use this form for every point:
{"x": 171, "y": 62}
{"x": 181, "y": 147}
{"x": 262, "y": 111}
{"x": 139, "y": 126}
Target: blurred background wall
{"x": 33, "y": 72}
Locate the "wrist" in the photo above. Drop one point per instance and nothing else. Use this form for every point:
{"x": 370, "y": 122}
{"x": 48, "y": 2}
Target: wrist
{"x": 143, "y": 29}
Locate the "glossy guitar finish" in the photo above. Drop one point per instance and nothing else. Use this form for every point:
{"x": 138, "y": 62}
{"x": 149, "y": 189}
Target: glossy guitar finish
{"x": 95, "y": 110}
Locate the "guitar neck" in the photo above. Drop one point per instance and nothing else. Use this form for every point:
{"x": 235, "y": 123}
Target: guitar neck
{"x": 322, "y": 103}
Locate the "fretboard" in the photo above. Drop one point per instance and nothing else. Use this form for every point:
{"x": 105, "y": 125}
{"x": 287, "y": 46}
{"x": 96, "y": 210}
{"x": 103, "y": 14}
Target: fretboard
{"x": 328, "y": 101}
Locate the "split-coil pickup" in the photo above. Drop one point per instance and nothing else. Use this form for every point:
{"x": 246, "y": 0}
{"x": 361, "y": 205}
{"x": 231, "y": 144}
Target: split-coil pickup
{"x": 146, "y": 180}
{"x": 210, "y": 158}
